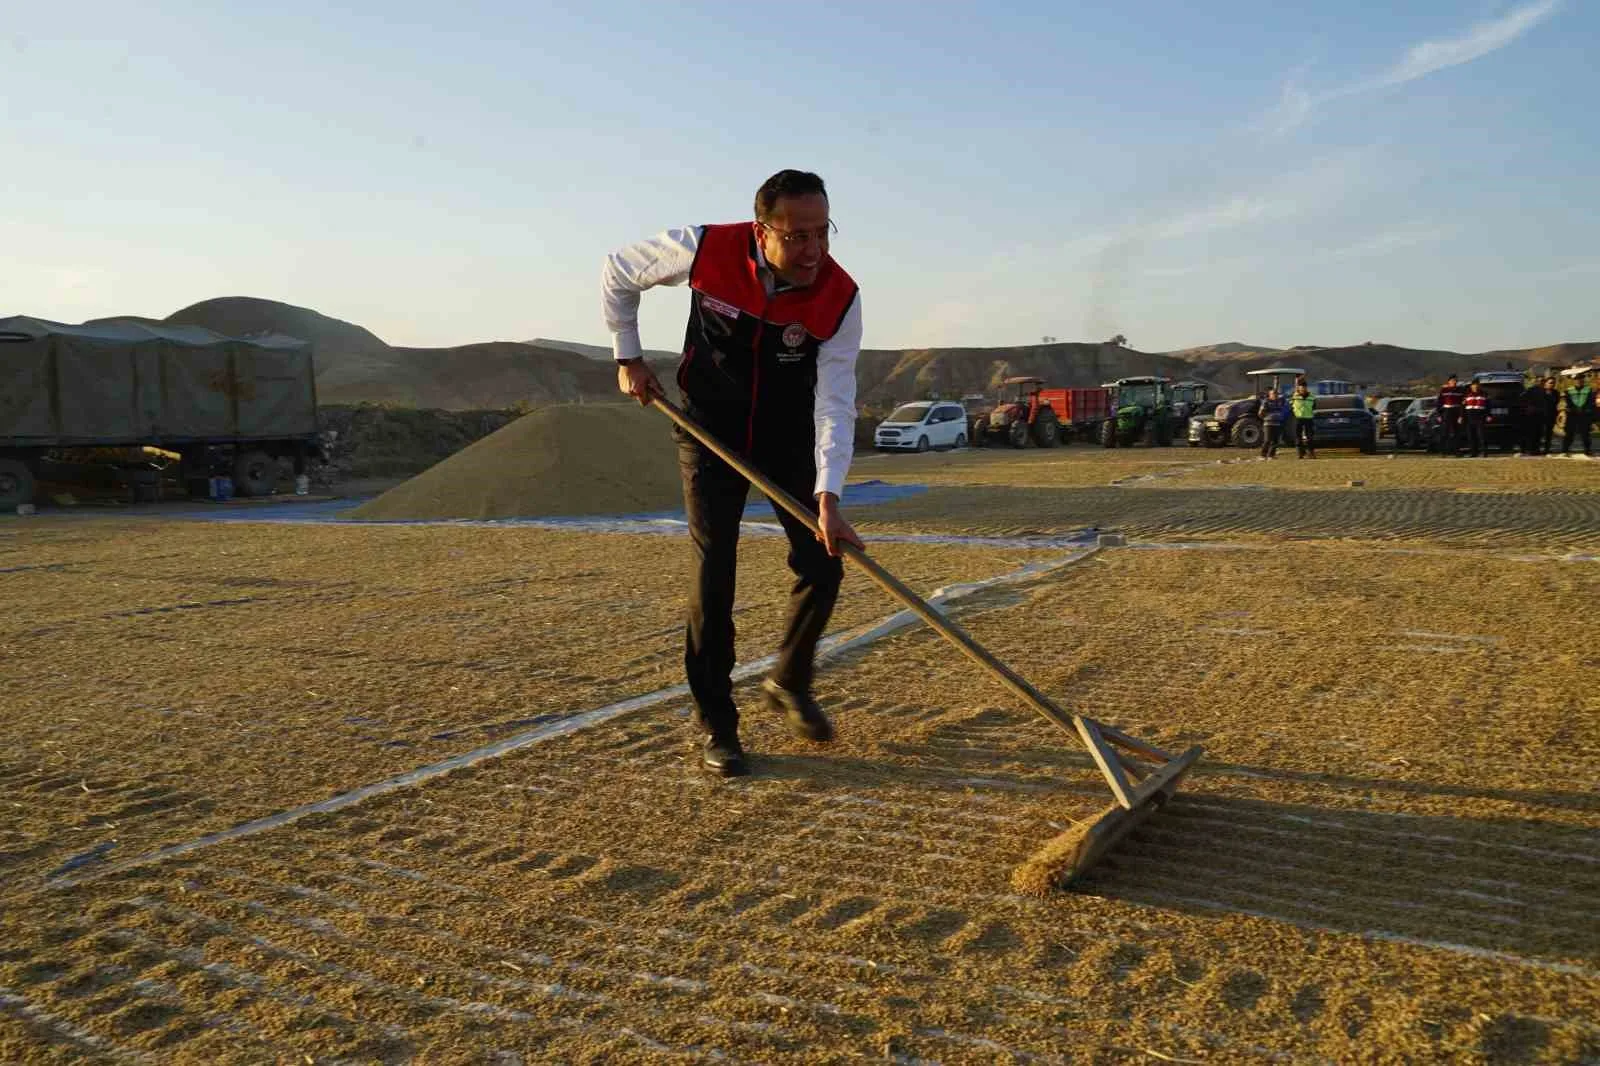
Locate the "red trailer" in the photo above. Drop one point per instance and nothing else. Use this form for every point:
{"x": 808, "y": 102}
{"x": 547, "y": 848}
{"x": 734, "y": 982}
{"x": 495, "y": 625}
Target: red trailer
{"x": 1081, "y": 409}
{"x": 1025, "y": 411}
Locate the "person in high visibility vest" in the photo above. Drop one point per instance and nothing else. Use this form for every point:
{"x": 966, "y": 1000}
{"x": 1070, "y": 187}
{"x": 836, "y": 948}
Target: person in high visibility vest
{"x": 1580, "y": 416}
{"x": 1304, "y": 407}
{"x": 1475, "y": 404}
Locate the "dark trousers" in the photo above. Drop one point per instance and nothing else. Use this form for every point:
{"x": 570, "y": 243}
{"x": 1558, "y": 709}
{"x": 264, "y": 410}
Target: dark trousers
{"x": 1271, "y": 434}
{"x": 1477, "y": 433}
{"x": 714, "y": 496}
{"x": 1532, "y": 433}
{"x": 1450, "y": 426}
{"x": 1305, "y": 437}
{"x": 1549, "y": 433}
{"x": 1577, "y": 426}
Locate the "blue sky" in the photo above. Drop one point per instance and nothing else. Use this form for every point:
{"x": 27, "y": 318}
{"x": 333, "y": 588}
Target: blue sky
{"x": 1183, "y": 174}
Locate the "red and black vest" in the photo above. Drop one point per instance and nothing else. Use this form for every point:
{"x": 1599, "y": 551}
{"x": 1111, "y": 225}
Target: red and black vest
{"x": 1476, "y": 403}
{"x": 749, "y": 369}
{"x": 1451, "y": 396}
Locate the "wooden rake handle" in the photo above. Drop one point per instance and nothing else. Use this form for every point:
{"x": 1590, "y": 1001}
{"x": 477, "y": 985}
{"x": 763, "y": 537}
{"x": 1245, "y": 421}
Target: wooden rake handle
{"x": 891, "y": 584}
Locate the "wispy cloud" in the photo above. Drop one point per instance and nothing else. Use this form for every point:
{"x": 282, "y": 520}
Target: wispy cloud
{"x": 1394, "y": 239}
{"x": 1293, "y": 193}
{"x": 1296, "y": 104}
{"x": 1571, "y": 270}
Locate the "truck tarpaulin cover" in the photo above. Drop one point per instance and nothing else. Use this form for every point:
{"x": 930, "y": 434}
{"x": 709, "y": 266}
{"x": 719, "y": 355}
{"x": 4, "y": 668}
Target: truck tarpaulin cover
{"x": 127, "y": 381}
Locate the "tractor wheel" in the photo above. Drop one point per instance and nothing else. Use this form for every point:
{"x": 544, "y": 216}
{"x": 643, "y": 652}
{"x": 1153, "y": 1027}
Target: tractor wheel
{"x": 1017, "y": 432}
{"x": 1108, "y": 433}
{"x": 16, "y": 483}
{"x": 980, "y": 439}
{"x": 1247, "y": 434}
{"x": 922, "y": 443}
{"x": 1046, "y": 431}
{"x": 1163, "y": 433}
{"x": 255, "y": 473}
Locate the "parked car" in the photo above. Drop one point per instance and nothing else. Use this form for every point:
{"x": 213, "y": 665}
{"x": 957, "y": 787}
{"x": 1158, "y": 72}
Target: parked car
{"x": 923, "y": 425}
{"x": 1345, "y": 419}
{"x": 1389, "y": 409}
{"x": 1418, "y": 425}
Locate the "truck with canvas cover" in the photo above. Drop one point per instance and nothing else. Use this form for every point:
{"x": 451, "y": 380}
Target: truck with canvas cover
{"x": 223, "y": 404}
{"x": 1026, "y": 411}
{"x": 1142, "y": 410}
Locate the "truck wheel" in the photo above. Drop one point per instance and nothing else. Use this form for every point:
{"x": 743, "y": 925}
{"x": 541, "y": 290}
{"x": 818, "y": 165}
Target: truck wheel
{"x": 1047, "y": 431}
{"x": 1018, "y": 434}
{"x": 255, "y": 473}
{"x": 16, "y": 483}
{"x": 1247, "y": 434}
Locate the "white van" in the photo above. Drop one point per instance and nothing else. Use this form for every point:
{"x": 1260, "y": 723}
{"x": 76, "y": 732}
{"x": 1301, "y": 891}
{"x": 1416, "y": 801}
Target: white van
{"x": 923, "y": 425}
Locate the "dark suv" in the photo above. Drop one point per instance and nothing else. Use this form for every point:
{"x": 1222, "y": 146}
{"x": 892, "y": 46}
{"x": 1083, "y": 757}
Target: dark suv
{"x": 1418, "y": 424}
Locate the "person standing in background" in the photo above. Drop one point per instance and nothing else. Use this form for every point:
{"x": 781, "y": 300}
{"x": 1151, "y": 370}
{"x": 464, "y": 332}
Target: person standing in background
{"x": 1450, "y": 398}
{"x": 1273, "y": 411}
{"x": 1533, "y": 405}
{"x": 1580, "y": 416}
{"x": 1304, "y": 407}
{"x": 1475, "y": 407}
{"x": 1552, "y": 411}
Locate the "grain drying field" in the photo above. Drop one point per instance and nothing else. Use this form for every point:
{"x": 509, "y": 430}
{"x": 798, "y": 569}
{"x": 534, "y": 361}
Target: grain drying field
{"x": 1390, "y": 851}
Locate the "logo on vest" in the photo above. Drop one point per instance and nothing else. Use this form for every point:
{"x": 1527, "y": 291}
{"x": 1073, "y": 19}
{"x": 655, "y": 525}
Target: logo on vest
{"x": 794, "y": 335}
{"x": 725, "y": 310}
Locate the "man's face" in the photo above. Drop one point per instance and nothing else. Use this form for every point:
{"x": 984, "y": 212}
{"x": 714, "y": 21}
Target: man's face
{"x": 795, "y": 238}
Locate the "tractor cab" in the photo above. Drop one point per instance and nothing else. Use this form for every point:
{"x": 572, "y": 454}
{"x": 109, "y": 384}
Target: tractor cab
{"x": 1188, "y": 398}
{"x": 1141, "y": 410}
{"x": 1282, "y": 378}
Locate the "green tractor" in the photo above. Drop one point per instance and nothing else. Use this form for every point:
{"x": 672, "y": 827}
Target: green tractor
{"x": 1142, "y": 410}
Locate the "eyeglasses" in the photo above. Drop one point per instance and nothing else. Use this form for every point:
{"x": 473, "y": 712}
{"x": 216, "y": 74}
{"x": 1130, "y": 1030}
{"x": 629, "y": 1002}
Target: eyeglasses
{"x": 794, "y": 238}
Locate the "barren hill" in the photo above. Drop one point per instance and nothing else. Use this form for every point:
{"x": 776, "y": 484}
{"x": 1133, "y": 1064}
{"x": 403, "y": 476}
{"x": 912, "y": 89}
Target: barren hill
{"x": 354, "y": 365}
{"x": 884, "y": 376}
{"x": 335, "y": 342}
{"x": 596, "y": 351}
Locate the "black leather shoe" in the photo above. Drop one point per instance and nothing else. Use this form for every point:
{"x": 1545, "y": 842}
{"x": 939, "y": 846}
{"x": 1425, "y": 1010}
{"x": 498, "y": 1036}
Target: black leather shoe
{"x": 806, "y": 719}
{"x": 724, "y": 757}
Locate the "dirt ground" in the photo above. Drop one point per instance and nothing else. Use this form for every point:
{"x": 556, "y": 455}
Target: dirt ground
{"x": 1389, "y": 852}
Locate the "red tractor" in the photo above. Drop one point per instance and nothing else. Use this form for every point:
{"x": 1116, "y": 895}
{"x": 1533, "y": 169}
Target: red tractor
{"x": 1025, "y": 410}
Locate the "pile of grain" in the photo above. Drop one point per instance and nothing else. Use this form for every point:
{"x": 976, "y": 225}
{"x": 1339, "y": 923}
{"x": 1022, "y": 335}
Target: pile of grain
{"x": 570, "y": 459}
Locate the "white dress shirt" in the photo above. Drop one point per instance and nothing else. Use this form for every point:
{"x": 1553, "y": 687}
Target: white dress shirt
{"x": 665, "y": 259}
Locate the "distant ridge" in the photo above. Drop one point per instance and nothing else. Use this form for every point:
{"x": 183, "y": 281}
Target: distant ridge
{"x": 356, "y": 365}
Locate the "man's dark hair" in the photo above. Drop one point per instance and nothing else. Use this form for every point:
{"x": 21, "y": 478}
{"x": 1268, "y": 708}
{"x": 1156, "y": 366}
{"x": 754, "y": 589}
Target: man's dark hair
{"x": 786, "y": 183}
